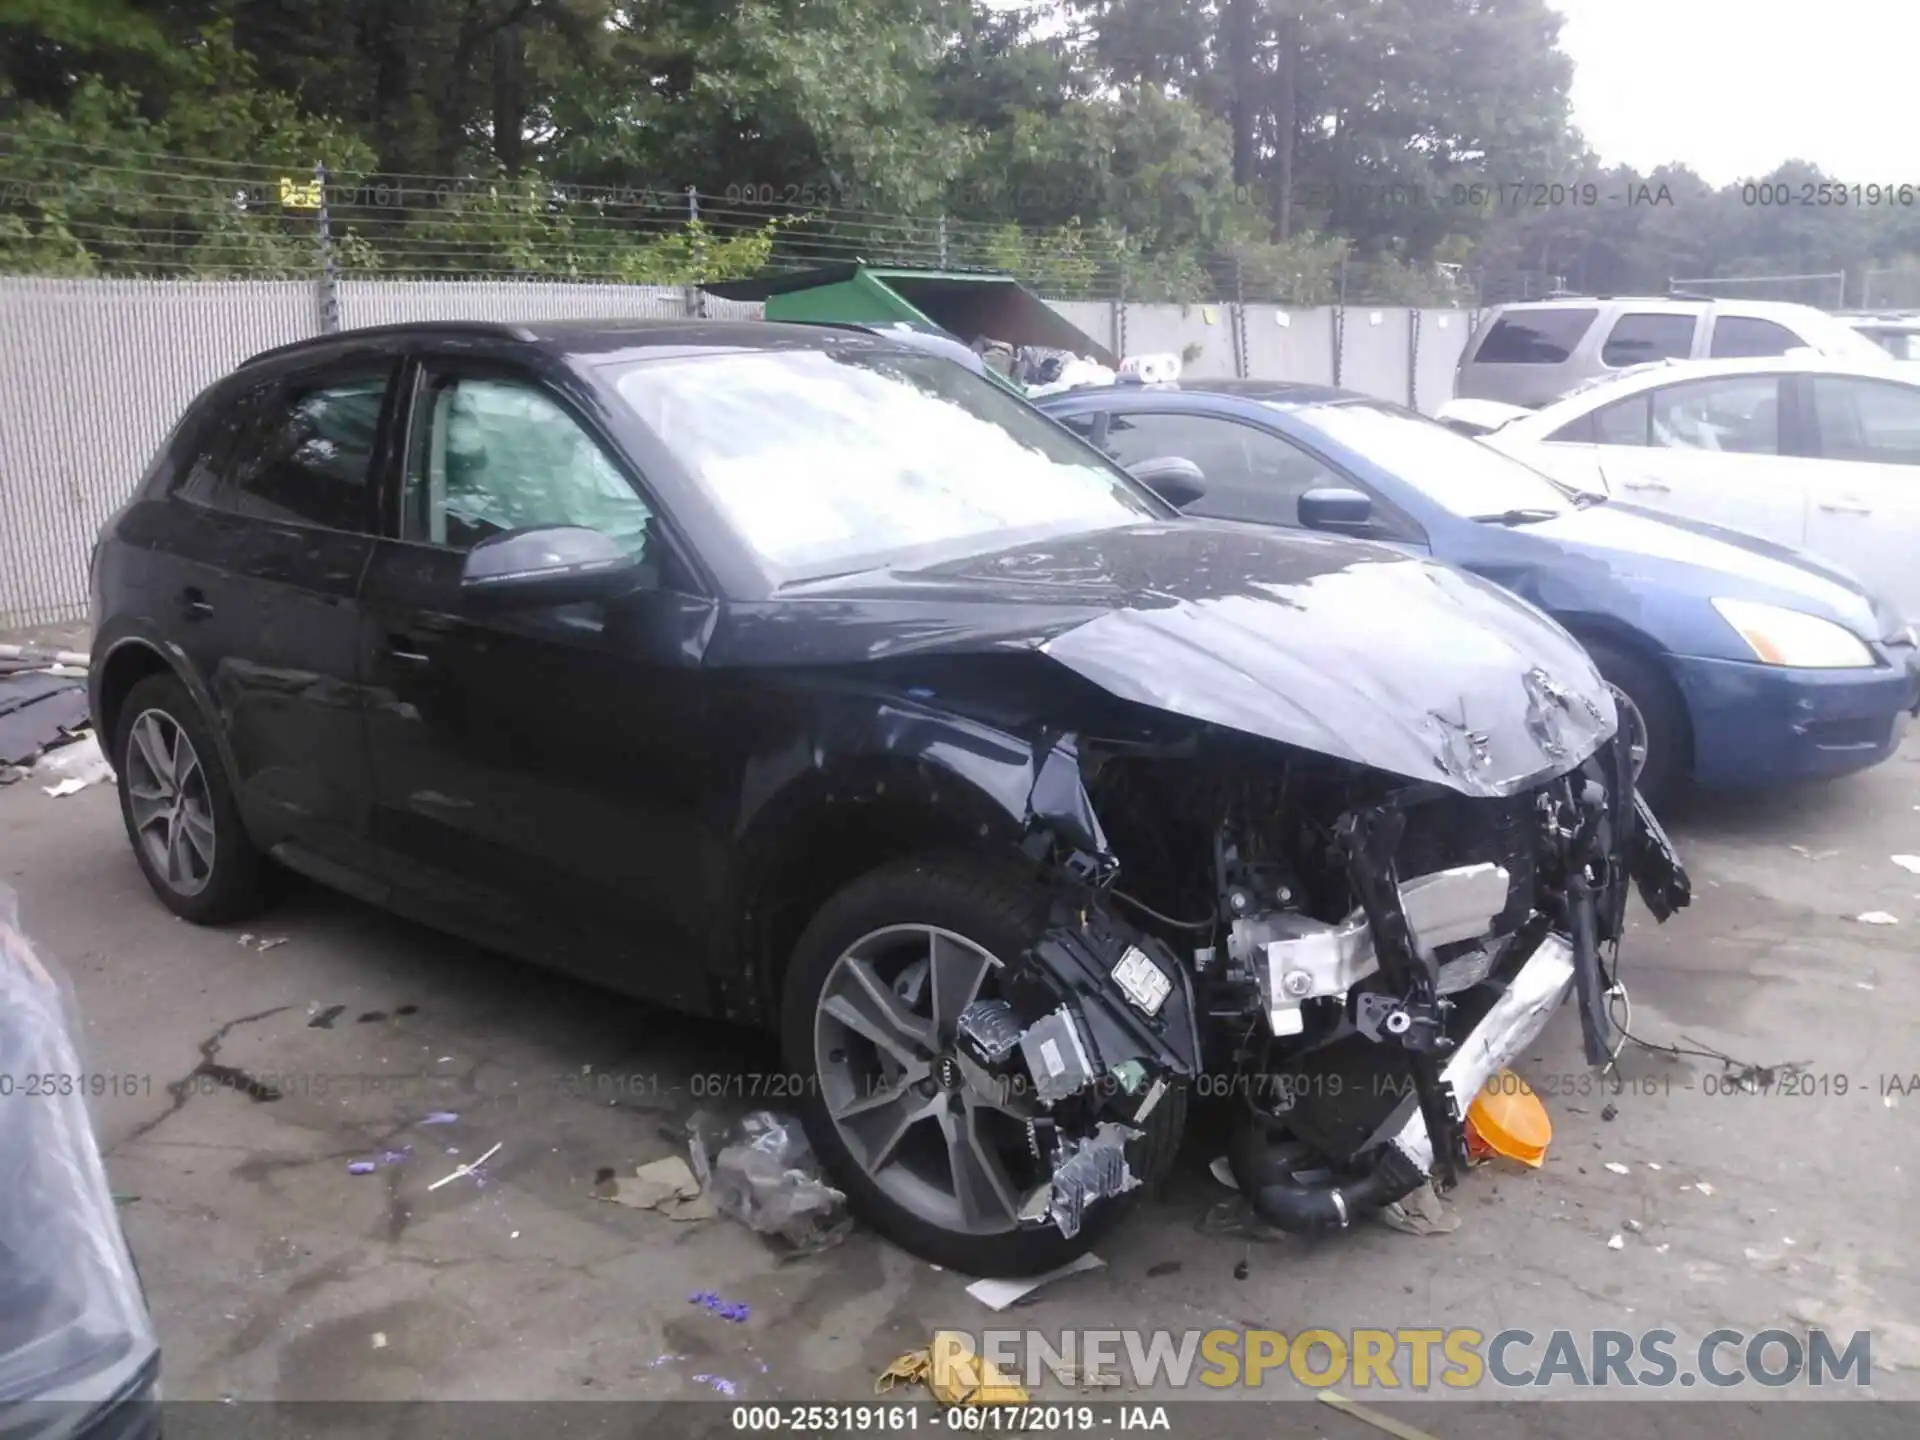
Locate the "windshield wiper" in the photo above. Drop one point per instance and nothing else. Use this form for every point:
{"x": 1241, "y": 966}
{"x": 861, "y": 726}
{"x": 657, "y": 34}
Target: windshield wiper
{"x": 1515, "y": 517}
{"x": 1587, "y": 499}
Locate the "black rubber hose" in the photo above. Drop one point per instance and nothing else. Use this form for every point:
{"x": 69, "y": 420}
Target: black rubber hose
{"x": 1289, "y": 1205}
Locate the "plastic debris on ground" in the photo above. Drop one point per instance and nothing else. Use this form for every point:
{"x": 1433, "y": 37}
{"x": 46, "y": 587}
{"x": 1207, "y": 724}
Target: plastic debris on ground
{"x": 760, "y": 1171}
{"x": 1422, "y": 1212}
{"x": 439, "y": 1117}
{"x": 719, "y": 1384}
{"x": 388, "y": 1157}
{"x": 463, "y": 1170}
{"x": 73, "y": 766}
{"x": 1075, "y": 373}
{"x": 667, "y": 1186}
{"x": 1877, "y": 917}
{"x": 726, "y": 1310}
{"x": 1617, "y": 1168}
{"x": 953, "y": 1374}
{"x": 251, "y": 941}
{"x": 1222, "y": 1170}
{"x": 1909, "y": 863}
{"x": 1813, "y": 854}
{"x": 1618, "y": 1242}
{"x": 999, "y": 1294}
{"x": 1507, "y": 1119}
{"x": 1383, "y": 1423}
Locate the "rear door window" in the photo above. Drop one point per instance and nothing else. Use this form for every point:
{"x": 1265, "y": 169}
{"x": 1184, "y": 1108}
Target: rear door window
{"x": 1638, "y": 337}
{"x": 1534, "y": 337}
{"x": 1737, "y": 336}
{"x": 297, "y": 451}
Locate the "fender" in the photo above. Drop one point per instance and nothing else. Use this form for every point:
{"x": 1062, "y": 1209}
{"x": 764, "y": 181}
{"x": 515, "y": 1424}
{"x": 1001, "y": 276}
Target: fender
{"x": 813, "y": 816}
{"x": 114, "y": 646}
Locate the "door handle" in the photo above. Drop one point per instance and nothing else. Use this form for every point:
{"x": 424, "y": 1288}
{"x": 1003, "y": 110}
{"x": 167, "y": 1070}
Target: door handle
{"x": 193, "y": 603}
{"x": 1659, "y": 485}
{"x": 1832, "y": 509}
{"x": 406, "y": 649}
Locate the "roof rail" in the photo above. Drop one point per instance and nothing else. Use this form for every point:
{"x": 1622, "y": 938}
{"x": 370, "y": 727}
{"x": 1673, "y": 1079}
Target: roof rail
{"x": 493, "y": 328}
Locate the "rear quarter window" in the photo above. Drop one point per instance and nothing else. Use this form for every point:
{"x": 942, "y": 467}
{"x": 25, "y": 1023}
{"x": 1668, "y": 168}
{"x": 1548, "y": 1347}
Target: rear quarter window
{"x": 1534, "y": 337}
{"x": 1640, "y": 337}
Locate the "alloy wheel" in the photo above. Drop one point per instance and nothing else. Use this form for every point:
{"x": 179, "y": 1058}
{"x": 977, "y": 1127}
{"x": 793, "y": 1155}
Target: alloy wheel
{"x": 936, "y": 1135}
{"x": 171, "y": 805}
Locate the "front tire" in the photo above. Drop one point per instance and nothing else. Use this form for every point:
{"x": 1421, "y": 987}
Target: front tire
{"x": 866, "y": 1017}
{"x": 1652, "y": 708}
{"x": 180, "y": 811}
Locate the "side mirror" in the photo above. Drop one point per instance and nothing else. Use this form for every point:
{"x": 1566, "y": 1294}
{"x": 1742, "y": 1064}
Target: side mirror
{"x": 1176, "y": 481}
{"x": 549, "y": 565}
{"x": 1333, "y": 509}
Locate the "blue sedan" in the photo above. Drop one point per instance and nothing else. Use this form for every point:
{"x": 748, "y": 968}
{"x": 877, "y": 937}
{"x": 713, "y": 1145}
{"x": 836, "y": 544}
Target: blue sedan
{"x": 1740, "y": 663}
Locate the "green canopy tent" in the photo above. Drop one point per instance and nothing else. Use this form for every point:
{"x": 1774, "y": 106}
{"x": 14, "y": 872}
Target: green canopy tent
{"x": 964, "y": 303}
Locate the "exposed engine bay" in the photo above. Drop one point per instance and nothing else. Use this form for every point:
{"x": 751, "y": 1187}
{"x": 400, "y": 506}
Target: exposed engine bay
{"x": 1345, "y": 954}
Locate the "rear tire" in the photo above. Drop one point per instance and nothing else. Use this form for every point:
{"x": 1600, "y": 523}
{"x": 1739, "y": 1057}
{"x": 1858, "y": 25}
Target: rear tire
{"x": 1655, "y": 708}
{"x": 971, "y": 904}
{"x": 179, "y": 809}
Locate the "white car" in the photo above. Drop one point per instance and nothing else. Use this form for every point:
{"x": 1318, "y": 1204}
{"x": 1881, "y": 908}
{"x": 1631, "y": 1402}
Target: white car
{"x": 1814, "y": 453}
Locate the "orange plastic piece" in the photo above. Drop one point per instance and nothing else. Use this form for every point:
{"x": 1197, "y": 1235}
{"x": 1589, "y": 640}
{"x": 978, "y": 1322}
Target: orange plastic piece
{"x": 1507, "y": 1118}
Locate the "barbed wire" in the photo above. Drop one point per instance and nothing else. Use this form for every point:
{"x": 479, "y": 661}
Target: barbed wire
{"x": 98, "y": 208}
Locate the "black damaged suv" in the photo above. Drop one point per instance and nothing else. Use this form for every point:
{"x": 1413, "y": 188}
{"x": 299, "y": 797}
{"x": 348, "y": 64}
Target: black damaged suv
{"x": 804, "y": 678}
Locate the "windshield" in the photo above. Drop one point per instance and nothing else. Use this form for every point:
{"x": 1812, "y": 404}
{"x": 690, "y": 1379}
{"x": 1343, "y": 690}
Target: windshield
{"x": 1457, "y": 473}
{"x": 830, "y": 461}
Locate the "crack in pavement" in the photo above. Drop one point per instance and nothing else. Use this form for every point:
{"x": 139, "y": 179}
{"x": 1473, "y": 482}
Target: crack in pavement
{"x": 181, "y": 1090}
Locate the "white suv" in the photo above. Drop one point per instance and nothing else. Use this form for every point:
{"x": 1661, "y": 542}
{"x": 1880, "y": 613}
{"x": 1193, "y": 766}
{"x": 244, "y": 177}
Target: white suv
{"x": 1536, "y": 351}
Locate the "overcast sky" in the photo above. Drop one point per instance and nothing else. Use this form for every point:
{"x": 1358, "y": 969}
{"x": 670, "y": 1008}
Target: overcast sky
{"x": 1733, "y": 87}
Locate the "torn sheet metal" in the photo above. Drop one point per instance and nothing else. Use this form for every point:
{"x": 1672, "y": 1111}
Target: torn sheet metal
{"x": 37, "y": 711}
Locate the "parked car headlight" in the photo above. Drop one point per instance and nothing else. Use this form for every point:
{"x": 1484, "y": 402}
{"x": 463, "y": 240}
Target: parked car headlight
{"x": 74, "y": 1329}
{"x": 1787, "y": 637}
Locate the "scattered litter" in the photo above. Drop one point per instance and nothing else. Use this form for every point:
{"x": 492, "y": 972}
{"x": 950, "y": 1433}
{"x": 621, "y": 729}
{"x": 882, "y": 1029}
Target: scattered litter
{"x": 999, "y": 1294}
{"x": 1876, "y": 917}
{"x": 1813, "y": 854}
{"x": 726, "y": 1310}
{"x": 1889, "y": 1100}
{"x": 1909, "y": 863}
{"x": 664, "y": 1185}
{"x": 250, "y": 941}
{"x": 1222, "y": 1170}
{"x": 1662, "y": 1249}
{"x": 323, "y": 1019}
{"x": 460, "y": 1170}
{"x": 953, "y": 1374}
{"x": 1366, "y": 1416}
{"x": 1617, "y": 1242}
{"x": 444, "y": 1060}
{"x": 763, "y": 1173}
{"x": 1633, "y": 1227}
{"x": 268, "y": 944}
{"x": 440, "y": 1117}
{"x": 718, "y": 1382}
{"x": 379, "y": 1339}
{"x": 1241, "y": 1269}
{"x": 1617, "y": 1168}
{"x": 65, "y": 787}
{"x": 1703, "y": 1187}
{"x": 1609, "y": 1111}
{"x": 1653, "y": 1164}
{"x": 514, "y": 1236}
{"x": 387, "y": 1157}
{"x": 1861, "y": 985}
{"x": 1422, "y": 1212}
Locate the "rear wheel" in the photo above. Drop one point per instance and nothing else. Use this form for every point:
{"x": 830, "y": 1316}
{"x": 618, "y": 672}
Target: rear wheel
{"x": 179, "y": 810}
{"x": 933, "y": 1162}
{"x": 1652, "y": 718}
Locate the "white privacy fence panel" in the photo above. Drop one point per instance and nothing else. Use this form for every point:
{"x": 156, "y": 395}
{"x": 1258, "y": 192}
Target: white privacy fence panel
{"x": 93, "y": 374}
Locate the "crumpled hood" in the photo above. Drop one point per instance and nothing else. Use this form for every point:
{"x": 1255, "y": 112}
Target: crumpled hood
{"x": 1352, "y": 650}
